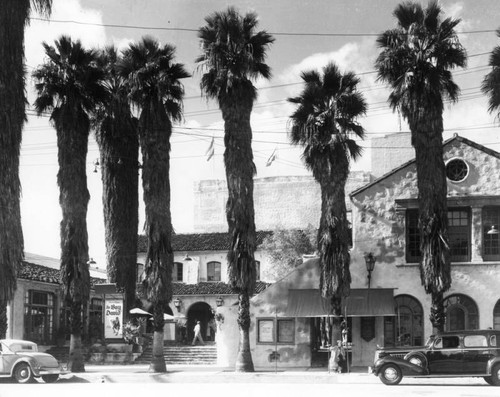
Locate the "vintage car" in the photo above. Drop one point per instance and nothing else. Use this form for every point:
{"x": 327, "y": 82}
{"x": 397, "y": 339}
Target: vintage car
{"x": 21, "y": 360}
{"x": 447, "y": 354}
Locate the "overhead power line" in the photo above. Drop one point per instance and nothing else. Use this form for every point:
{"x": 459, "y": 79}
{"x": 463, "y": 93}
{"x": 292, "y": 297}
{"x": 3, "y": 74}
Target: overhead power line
{"x": 305, "y": 34}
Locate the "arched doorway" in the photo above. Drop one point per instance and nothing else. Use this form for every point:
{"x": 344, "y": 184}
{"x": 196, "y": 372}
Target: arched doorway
{"x": 461, "y": 313}
{"x": 202, "y": 312}
{"x": 409, "y": 324}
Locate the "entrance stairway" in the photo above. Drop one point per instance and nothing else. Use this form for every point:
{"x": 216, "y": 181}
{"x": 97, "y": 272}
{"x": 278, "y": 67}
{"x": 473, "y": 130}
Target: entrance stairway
{"x": 183, "y": 354}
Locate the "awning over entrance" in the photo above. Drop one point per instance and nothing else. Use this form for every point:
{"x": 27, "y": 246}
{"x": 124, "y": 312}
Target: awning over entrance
{"x": 360, "y": 303}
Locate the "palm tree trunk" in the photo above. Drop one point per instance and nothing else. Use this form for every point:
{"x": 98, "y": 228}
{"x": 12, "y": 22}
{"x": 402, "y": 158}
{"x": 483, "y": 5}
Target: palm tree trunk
{"x": 155, "y": 130}
{"x": 3, "y": 320}
{"x": 433, "y": 211}
{"x": 244, "y": 362}
{"x": 240, "y": 169}
{"x": 158, "y": 358}
{"x": 13, "y": 16}
{"x": 72, "y": 141}
{"x": 119, "y": 159}
{"x": 76, "y": 359}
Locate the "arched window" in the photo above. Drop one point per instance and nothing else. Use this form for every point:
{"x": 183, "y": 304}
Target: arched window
{"x": 461, "y": 313}
{"x": 496, "y": 316}
{"x": 409, "y": 324}
{"x": 213, "y": 271}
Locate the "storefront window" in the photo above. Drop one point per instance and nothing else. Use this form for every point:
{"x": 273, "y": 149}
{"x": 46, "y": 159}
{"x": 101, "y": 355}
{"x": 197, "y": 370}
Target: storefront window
{"x": 272, "y": 330}
{"x": 406, "y": 328}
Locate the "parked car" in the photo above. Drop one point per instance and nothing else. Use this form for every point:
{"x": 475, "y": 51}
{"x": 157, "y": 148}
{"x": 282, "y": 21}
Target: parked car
{"x": 447, "y": 354}
{"x": 21, "y": 360}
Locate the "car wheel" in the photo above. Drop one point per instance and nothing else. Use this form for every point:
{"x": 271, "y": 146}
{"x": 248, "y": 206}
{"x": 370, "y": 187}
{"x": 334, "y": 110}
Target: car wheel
{"x": 495, "y": 375}
{"x": 390, "y": 374}
{"x": 23, "y": 373}
{"x": 488, "y": 380}
{"x": 50, "y": 378}
{"x": 417, "y": 359}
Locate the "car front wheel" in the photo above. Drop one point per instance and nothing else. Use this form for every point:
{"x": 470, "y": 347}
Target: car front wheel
{"x": 495, "y": 375}
{"x": 23, "y": 373}
{"x": 390, "y": 374}
{"x": 50, "y": 378}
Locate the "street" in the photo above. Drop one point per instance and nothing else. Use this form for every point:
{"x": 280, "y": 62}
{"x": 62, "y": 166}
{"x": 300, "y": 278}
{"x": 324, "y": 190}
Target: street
{"x": 212, "y": 381}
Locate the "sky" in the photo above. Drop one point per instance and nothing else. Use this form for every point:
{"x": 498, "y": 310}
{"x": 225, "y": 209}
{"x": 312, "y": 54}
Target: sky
{"x": 308, "y": 34}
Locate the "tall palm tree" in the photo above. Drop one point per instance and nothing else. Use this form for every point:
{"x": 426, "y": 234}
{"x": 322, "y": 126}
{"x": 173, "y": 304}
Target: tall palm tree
{"x": 324, "y": 124}
{"x": 153, "y": 81}
{"x": 491, "y": 82}
{"x": 14, "y": 15}
{"x": 416, "y": 59}
{"x": 233, "y": 55}
{"x": 68, "y": 85}
{"x": 117, "y": 137}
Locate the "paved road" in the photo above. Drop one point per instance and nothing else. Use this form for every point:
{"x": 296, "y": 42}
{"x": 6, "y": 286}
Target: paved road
{"x": 212, "y": 381}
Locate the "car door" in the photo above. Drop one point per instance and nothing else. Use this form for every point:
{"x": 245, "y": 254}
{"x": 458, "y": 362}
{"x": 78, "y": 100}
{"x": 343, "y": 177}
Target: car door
{"x": 476, "y": 354}
{"x": 445, "y": 357}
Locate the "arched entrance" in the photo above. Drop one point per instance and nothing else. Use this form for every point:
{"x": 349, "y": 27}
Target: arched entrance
{"x": 496, "y": 316}
{"x": 409, "y": 324}
{"x": 461, "y": 313}
{"x": 202, "y": 312}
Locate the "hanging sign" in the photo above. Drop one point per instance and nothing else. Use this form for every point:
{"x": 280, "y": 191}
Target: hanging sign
{"x": 113, "y": 318}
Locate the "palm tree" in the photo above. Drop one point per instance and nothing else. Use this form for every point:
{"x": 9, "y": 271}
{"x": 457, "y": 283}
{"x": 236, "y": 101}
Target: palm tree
{"x": 491, "y": 82}
{"x": 14, "y": 15}
{"x": 68, "y": 85}
{"x": 153, "y": 82}
{"x": 233, "y": 54}
{"x": 324, "y": 124}
{"x": 416, "y": 59}
{"x": 116, "y": 133}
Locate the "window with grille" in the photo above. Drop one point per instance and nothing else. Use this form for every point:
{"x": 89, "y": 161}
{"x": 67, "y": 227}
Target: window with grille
{"x": 213, "y": 271}
{"x": 38, "y": 316}
{"x": 491, "y": 237}
{"x": 459, "y": 235}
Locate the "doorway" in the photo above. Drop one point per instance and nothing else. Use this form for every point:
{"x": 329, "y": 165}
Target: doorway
{"x": 202, "y": 312}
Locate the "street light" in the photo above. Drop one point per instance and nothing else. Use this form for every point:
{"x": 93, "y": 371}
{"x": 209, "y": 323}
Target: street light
{"x": 493, "y": 230}
{"x": 370, "y": 265}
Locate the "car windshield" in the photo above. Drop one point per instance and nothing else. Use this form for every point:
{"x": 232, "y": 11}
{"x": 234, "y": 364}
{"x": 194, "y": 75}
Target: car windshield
{"x": 429, "y": 341}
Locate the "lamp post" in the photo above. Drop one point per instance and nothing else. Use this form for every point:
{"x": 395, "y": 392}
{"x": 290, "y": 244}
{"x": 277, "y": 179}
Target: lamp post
{"x": 370, "y": 265}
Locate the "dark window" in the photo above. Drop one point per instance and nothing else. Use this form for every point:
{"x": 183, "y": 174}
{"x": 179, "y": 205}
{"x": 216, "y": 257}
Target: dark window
{"x": 95, "y": 318}
{"x": 496, "y": 316}
{"x": 491, "y": 237}
{"x": 458, "y": 233}
{"x": 213, "y": 271}
{"x": 140, "y": 272}
{"x": 257, "y": 270}
{"x": 457, "y": 170}
{"x": 177, "y": 272}
{"x": 38, "y": 316}
{"x": 447, "y": 342}
{"x": 461, "y": 313}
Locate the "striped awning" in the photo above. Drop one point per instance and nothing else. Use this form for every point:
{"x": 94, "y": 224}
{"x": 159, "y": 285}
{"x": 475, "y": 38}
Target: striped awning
{"x": 360, "y": 303}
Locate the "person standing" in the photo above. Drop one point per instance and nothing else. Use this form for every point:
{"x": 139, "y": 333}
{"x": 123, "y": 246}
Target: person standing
{"x": 197, "y": 334}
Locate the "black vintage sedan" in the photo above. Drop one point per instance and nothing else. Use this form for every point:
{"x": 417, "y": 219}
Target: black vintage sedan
{"x": 447, "y": 354}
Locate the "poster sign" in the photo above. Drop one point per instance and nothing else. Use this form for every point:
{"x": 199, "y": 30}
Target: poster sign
{"x": 113, "y": 318}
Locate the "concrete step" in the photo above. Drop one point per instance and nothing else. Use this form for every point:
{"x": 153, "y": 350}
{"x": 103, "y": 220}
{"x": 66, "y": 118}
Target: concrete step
{"x": 189, "y": 355}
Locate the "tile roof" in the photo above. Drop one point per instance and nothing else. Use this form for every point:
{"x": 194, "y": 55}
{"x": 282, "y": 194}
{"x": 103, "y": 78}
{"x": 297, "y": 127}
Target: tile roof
{"x": 35, "y": 272}
{"x": 207, "y": 288}
{"x": 200, "y": 241}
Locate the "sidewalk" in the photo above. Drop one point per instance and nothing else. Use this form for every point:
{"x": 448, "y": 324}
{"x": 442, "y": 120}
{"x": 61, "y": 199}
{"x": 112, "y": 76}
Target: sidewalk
{"x": 213, "y": 374}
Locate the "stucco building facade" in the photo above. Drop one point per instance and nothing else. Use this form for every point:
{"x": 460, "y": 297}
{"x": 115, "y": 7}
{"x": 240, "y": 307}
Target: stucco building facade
{"x": 384, "y": 214}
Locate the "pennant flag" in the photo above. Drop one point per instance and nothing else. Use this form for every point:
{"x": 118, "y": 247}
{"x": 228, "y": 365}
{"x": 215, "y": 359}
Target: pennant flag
{"x": 210, "y": 151}
{"x": 271, "y": 158}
